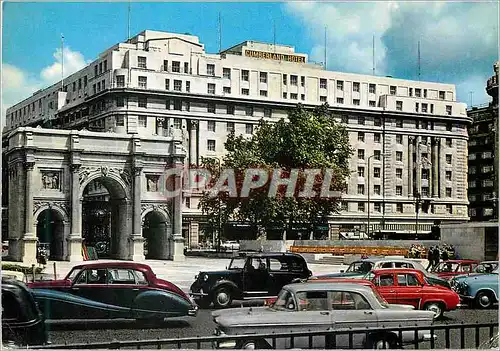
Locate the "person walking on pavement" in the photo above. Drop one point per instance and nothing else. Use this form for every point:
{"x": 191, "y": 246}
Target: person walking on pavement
{"x": 430, "y": 257}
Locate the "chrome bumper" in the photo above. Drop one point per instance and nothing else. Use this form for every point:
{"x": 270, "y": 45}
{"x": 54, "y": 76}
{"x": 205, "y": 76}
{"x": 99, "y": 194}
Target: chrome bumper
{"x": 193, "y": 312}
{"x": 201, "y": 293}
{"x": 428, "y": 337}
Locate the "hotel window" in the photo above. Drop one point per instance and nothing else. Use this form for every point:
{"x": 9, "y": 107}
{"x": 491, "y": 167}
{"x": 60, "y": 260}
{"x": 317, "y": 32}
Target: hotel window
{"x": 284, "y": 79}
{"x": 371, "y": 89}
{"x": 120, "y": 102}
{"x": 143, "y": 82}
{"x": 472, "y": 184}
{"x": 284, "y": 95}
{"x": 344, "y": 119}
{"x": 416, "y": 107}
{"x": 377, "y": 207}
{"x": 85, "y": 80}
{"x": 448, "y": 175}
{"x": 244, "y": 75}
{"x": 487, "y": 169}
{"x": 377, "y": 154}
{"x": 472, "y": 170}
{"x": 448, "y": 127}
{"x": 355, "y": 102}
{"x": 399, "y": 105}
{"x": 226, "y": 73}
{"x": 177, "y": 105}
{"x": 267, "y": 112}
{"x": 177, "y": 123}
{"x": 377, "y": 121}
{"x": 95, "y": 90}
{"x": 340, "y": 85}
{"x": 211, "y": 126}
{"x": 210, "y": 69}
{"x": 322, "y": 98}
{"x": 230, "y": 127}
{"x": 488, "y": 212}
{"x": 293, "y": 79}
{"x": 448, "y": 110}
{"x": 399, "y": 156}
{"x": 361, "y": 207}
{"x": 211, "y": 108}
{"x": 141, "y": 62}
{"x": 79, "y": 83}
{"x": 418, "y": 92}
{"x": 361, "y": 154}
{"x": 425, "y": 191}
{"x": 178, "y": 85}
{"x": 361, "y": 120}
{"x": 425, "y": 173}
{"x": 210, "y": 145}
{"x": 393, "y": 90}
{"x": 376, "y": 189}
{"x": 263, "y": 77}
{"x": 361, "y": 189}
{"x": 249, "y": 111}
{"x": 188, "y": 86}
{"x": 245, "y": 91}
{"x": 322, "y": 83}
{"x": 399, "y": 139}
{"x": 343, "y": 206}
{"x": 411, "y": 92}
{"x": 263, "y": 93}
{"x": 120, "y": 81}
{"x": 449, "y": 209}
{"x": 399, "y": 208}
{"x": 120, "y": 121}
{"x": 376, "y": 138}
{"x": 99, "y": 85}
{"x": 143, "y": 102}
{"x": 361, "y": 137}
{"x": 167, "y": 104}
{"x": 425, "y": 125}
{"x": 167, "y": 84}
{"x": 376, "y": 172}
{"x": 143, "y": 121}
{"x": 425, "y": 93}
{"x": 372, "y": 103}
{"x": 186, "y": 67}
{"x": 448, "y": 192}
{"x": 176, "y": 66}
{"x": 441, "y": 95}
{"x": 293, "y": 96}
{"x": 249, "y": 128}
{"x": 211, "y": 88}
{"x": 95, "y": 70}
{"x": 487, "y": 154}
{"x": 399, "y": 173}
{"x": 355, "y": 87}
{"x": 226, "y": 90}
{"x": 165, "y": 65}
{"x": 340, "y": 100}
{"x": 303, "y": 97}
{"x": 399, "y": 190}
{"x": 424, "y": 108}
{"x": 472, "y": 198}
{"x": 448, "y": 159}
{"x": 432, "y": 108}
{"x": 361, "y": 171}
{"x": 230, "y": 109}
{"x": 487, "y": 183}
{"x": 302, "y": 81}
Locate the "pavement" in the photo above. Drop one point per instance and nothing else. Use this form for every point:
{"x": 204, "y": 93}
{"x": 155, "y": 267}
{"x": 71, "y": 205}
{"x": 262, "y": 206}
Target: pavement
{"x": 181, "y": 273}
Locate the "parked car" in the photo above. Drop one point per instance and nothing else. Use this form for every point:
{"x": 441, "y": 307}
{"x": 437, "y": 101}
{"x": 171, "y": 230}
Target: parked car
{"x": 303, "y": 307}
{"x": 249, "y": 276}
{"x": 450, "y": 268}
{"x": 409, "y": 286}
{"x": 358, "y": 269}
{"x": 22, "y": 322}
{"x": 230, "y": 246}
{"x": 108, "y": 290}
{"x": 479, "y": 290}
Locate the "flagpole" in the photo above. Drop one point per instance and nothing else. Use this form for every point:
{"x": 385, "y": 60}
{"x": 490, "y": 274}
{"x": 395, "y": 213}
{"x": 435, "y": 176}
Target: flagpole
{"x": 62, "y": 62}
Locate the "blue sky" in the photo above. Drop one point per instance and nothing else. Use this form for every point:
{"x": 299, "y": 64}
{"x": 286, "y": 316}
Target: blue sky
{"x": 459, "y": 41}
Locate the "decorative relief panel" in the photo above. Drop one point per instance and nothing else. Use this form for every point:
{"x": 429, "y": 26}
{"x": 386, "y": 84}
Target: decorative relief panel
{"x": 154, "y": 207}
{"x": 105, "y": 171}
{"x": 63, "y": 205}
{"x": 51, "y": 180}
{"x": 152, "y": 182}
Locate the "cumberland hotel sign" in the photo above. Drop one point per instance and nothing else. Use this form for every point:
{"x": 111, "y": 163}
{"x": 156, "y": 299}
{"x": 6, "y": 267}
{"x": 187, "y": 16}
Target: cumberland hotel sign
{"x": 274, "y": 56}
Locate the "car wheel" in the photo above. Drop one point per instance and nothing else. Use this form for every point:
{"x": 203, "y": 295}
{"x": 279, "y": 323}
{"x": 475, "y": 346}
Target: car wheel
{"x": 383, "y": 342}
{"x": 222, "y": 298}
{"x": 435, "y": 307}
{"x": 484, "y": 299}
{"x": 249, "y": 345}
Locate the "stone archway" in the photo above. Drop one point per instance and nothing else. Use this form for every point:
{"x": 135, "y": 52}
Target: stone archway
{"x": 156, "y": 230}
{"x": 50, "y": 232}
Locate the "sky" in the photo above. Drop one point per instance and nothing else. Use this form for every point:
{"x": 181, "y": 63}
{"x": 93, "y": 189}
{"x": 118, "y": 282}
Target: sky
{"x": 458, "y": 40}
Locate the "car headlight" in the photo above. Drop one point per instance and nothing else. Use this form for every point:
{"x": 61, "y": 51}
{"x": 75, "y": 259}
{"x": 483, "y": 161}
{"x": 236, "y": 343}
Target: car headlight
{"x": 196, "y": 277}
{"x": 205, "y": 277}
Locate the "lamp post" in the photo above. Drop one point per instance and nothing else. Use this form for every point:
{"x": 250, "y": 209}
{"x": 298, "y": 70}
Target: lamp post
{"x": 219, "y": 230}
{"x": 369, "y": 191}
{"x": 418, "y": 200}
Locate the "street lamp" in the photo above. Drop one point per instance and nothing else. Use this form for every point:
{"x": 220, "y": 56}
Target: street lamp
{"x": 369, "y": 189}
{"x": 418, "y": 200}
{"x": 219, "y": 213}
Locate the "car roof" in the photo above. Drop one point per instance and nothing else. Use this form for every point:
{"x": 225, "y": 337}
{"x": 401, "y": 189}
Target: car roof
{"x": 342, "y": 280}
{"x": 315, "y": 286}
{"x": 396, "y": 270}
{"x": 460, "y": 261}
{"x": 114, "y": 264}
{"x": 385, "y": 259}
{"x": 267, "y": 254}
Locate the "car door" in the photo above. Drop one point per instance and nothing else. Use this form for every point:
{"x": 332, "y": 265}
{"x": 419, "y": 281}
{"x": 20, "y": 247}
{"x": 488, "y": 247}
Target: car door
{"x": 95, "y": 299}
{"x": 408, "y": 290}
{"x": 255, "y": 277}
{"x": 385, "y": 283}
{"x": 124, "y": 288}
{"x": 279, "y": 275}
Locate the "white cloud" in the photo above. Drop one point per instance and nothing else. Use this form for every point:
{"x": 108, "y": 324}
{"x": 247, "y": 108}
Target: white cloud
{"x": 18, "y": 84}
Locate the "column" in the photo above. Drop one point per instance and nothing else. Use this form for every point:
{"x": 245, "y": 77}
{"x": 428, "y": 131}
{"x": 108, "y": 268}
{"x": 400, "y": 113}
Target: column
{"x": 29, "y": 237}
{"x": 193, "y": 155}
{"x": 435, "y": 167}
{"x": 194, "y": 235}
{"x": 136, "y": 239}
{"x": 74, "y": 239}
{"x": 178, "y": 240}
{"x": 411, "y": 149}
{"x": 418, "y": 179}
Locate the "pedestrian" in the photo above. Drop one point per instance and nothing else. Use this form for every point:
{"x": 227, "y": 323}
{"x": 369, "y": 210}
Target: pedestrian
{"x": 430, "y": 257}
{"x": 435, "y": 256}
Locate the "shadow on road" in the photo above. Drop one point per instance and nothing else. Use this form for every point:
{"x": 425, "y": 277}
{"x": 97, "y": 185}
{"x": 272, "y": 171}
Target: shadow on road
{"x": 114, "y": 324}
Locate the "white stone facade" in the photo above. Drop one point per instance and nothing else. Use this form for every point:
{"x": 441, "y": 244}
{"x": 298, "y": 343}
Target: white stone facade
{"x": 166, "y": 84}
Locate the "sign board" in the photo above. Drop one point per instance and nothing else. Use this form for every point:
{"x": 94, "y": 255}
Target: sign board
{"x": 275, "y": 56}
{"x": 338, "y": 250}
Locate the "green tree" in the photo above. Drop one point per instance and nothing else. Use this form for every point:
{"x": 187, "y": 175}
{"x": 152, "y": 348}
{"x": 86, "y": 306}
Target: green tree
{"x": 309, "y": 139}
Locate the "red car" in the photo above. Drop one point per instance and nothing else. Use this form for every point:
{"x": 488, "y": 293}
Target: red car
{"x": 108, "y": 290}
{"x": 409, "y": 287}
{"x": 449, "y": 269}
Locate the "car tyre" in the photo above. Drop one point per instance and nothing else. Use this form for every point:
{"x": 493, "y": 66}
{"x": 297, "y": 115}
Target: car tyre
{"x": 435, "y": 307}
{"x": 383, "y": 342}
{"x": 253, "y": 345}
{"x": 222, "y": 297}
{"x": 484, "y": 299}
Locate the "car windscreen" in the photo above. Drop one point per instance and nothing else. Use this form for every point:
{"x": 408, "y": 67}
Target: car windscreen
{"x": 380, "y": 299}
{"x": 284, "y": 301}
{"x": 237, "y": 263}
{"x": 360, "y": 267}
{"x": 446, "y": 267}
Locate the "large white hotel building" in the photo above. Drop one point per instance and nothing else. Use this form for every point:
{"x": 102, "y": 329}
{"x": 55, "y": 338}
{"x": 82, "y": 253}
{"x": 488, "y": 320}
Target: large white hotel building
{"x": 412, "y": 134}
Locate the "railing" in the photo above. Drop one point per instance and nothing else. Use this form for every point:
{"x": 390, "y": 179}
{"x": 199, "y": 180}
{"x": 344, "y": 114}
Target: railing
{"x": 459, "y": 336}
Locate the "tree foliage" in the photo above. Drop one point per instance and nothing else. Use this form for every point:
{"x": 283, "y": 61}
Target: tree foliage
{"x": 309, "y": 139}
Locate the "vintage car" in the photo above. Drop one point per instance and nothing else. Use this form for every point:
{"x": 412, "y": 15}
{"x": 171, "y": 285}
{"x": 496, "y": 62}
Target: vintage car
{"x": 450, "y": 268}
{"x": 313, "y": 306}
{"x": 22, "y": 322}
{"x": 250, "y": 275}
{"x": 478, "y": 290}
{"x": 358, "y": 269}
{"x": 109, "y": 290}
{"x": 410, "y": 286}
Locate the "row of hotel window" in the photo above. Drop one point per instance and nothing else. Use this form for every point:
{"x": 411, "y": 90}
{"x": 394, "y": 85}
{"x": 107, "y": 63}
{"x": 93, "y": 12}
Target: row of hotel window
{"x": 484, "y": 169}
{"x": 487, "y": 183}
{"x": 424, "y": 191}
{"x": 263, "y": 78}
{"x": 377, "y": 122}
{"x": 377, "y": 207}
{"x": 485, "y": 155}
{"x": 399, "y": 174}
{"x": 484, "y": 197}
{"x": 399, "y": 156}
{"x": 473, "y": 212}
{"x": 399, "y": 138}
